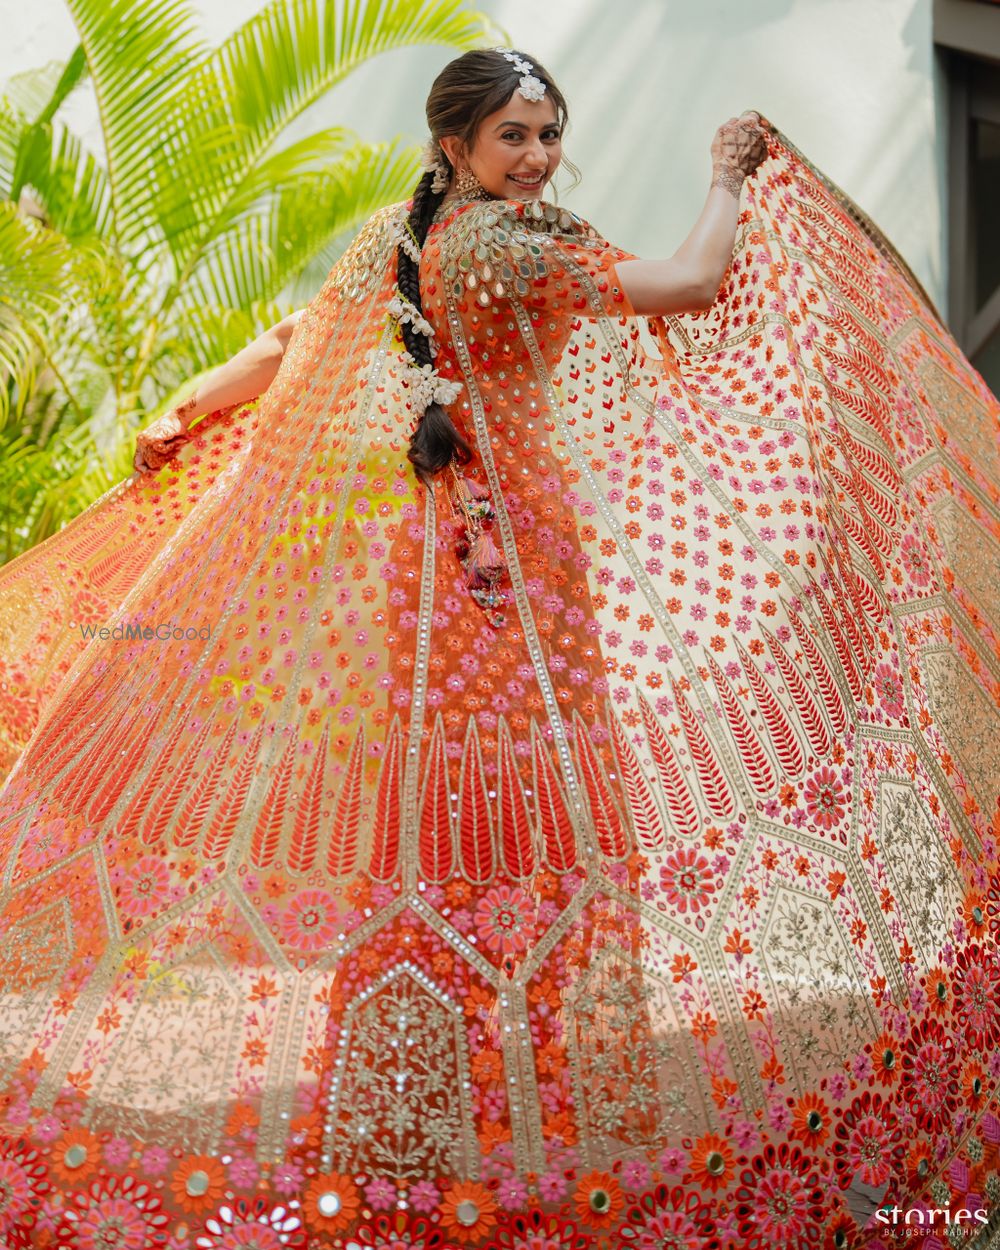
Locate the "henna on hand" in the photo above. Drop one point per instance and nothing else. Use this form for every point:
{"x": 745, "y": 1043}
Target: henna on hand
{"x": 740, "y": 144}
{"x": 184, "y": 411}
{"x": 159, "y": 442}
{"x": 729, "y": 178}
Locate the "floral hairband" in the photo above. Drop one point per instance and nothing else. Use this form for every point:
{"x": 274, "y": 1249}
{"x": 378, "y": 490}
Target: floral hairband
{"x": 530, "y": 87}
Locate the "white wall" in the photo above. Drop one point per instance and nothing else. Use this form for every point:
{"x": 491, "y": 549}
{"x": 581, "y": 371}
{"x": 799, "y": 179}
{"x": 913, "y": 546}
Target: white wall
{"x": 850, "y": 82}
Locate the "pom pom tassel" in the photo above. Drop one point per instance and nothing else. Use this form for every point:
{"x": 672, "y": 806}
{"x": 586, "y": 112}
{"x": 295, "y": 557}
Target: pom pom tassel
{"x": 484, "y": 563}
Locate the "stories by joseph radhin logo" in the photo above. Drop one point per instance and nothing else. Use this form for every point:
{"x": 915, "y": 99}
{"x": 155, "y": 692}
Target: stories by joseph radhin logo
{"x": 923, "y": 1221}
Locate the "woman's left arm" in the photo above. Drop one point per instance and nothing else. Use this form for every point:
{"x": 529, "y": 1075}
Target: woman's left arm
{"x": 689, "y": 280}
{"x": 247, "y": 374}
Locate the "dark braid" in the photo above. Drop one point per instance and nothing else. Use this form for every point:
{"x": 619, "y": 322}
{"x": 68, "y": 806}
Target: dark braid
{"x": 435, "y": 442}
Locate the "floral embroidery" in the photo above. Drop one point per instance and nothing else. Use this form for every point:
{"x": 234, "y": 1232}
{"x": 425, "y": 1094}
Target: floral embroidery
{"x": 253, "y": 1225}
{"x": 331, "y": 1203}
{"x": 310, "y": 920}
{"x": 199, "y": 1183}
{"x": 505, "y": 919}
{"x": 468, "y": 1212}
{"x": 121, "y": 1212}
{"x": 23, "y": 1184}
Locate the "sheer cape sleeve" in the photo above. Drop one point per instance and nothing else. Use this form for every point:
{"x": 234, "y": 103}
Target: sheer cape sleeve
{"x": 58, "y": 596}
{"x": 537, "y": 325}
{"x": 536, "y": 252}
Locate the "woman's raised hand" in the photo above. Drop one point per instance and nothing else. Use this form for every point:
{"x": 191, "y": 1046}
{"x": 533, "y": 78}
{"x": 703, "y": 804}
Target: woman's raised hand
{"x": 159, "y": 442}
{"x": 739, "y": 147}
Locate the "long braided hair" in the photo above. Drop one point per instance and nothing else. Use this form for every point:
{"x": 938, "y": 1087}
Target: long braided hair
{"x": 468, "y": 89}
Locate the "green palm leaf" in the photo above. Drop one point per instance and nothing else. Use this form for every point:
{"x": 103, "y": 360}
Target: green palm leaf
{"x": 66, "y": 179}
{"x": 264, "y": 76}
{"x": 36, "y": 94}
{"x": 138, "y": 54}
{"x": 33, "y": 262}
{"x": 262, "y": 252}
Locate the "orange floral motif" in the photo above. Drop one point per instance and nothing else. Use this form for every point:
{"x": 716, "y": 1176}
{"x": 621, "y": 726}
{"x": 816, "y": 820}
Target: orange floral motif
{"x": 811, "y": 1120}
{"x": 599, "y": 1199}
{"x": 198, "y": 1183}
{"x": 712, "y": 1163}
{"x": 468, "y": 1212}
{"x": 330, "y": 1203}
{"x": 75, "y": 1156}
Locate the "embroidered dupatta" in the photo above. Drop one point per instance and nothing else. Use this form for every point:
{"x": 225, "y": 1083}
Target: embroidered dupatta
{"x": 360, "y": 910}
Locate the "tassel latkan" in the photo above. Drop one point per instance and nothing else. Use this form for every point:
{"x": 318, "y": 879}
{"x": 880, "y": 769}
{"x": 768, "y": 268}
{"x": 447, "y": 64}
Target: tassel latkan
{"x": 482, "y": 561}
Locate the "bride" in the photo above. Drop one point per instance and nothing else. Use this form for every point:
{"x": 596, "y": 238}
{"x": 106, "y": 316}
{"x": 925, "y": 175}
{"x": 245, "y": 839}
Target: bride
{"x": 478, "y": 784}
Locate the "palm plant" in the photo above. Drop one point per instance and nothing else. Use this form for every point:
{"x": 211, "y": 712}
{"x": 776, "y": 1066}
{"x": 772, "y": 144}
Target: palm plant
{"x": 123, "y": 279}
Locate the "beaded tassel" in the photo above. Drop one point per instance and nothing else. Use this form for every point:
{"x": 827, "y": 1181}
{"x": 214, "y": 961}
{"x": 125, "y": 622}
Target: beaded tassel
{"x": 483, "y": 562}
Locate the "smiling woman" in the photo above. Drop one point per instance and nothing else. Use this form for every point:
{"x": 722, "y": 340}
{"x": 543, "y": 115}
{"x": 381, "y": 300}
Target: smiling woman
{"x": 572, "y": 832}
{"x": 517, "y": 149}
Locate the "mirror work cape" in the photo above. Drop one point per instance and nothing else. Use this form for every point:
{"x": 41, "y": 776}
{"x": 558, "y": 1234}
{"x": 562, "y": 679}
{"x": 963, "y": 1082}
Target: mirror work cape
{"x": 598, "y": 849}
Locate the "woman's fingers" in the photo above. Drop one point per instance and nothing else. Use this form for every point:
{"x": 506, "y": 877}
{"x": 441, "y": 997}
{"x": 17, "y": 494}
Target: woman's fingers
{"x": 159, "y": 443}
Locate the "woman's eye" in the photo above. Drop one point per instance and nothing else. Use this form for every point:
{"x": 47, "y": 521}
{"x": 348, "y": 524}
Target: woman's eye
{"x": 515, "y": 135}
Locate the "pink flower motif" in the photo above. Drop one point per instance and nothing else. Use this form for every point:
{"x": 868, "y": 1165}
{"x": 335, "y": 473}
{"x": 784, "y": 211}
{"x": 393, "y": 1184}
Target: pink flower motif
{"x": 118, "y": 1151}
{"x": 251, "y": 1226}
{"x": 144, "y": 888}
{"x": 889, "y": 688}
{"x": 505, "y": 919}
{"x": 287, "y": 1178}
{"x": 22, "y": 1185}
{"x": 915, "y": 560}
{"x": 824, "y": 798}
{"x": 47, "y": 842}
{"x": 154, "y": 1161}
{"x": 243, "y": 1172}
{"x": 552, "y": 1186}
{"x": 49, "y": 1128}
{"x": 310, "y": 922}
{"x": 424, "y": 1196}
{"x": 380, "y": 1192}
{"x": 117, "y": 1211}
{"x": 686, "y": 879}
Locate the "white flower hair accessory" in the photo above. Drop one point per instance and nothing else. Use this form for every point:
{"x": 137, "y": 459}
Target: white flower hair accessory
{"x": 403, "y": 310}
{"x": 426, "y": 386}
{"x": 400, "y": 236}
{"x": 432, "y": 158}
{"x": 530, "y": 87}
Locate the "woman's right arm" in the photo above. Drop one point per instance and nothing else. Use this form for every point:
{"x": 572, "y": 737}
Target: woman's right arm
{"x": 689, "y": 280}
{"x": 247, "y": 374}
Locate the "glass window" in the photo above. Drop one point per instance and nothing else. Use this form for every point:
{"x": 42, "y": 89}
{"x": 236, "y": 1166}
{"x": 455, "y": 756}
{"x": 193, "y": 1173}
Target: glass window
{"x": 987, "y": 361}
{"x": 986, "y": 208}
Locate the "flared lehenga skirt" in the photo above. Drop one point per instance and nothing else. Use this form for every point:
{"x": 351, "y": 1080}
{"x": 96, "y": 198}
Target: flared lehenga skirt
{"x": 659, "y": 907}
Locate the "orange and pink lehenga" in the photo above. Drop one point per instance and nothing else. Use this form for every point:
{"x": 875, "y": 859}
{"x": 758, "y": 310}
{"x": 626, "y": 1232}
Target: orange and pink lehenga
{"x": 640, "y": 891}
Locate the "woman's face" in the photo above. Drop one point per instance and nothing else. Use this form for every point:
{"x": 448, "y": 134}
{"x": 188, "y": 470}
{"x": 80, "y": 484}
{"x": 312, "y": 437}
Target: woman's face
{"x": 516, "y": 151}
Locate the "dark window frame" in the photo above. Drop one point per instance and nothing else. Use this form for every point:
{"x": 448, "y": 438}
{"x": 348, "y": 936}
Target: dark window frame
{"x": 967, "y": 35}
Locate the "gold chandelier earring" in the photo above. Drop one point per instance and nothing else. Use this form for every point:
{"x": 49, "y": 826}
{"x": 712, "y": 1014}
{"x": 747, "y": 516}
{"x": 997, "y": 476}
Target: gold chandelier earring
{"x": 468, "y": 186}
